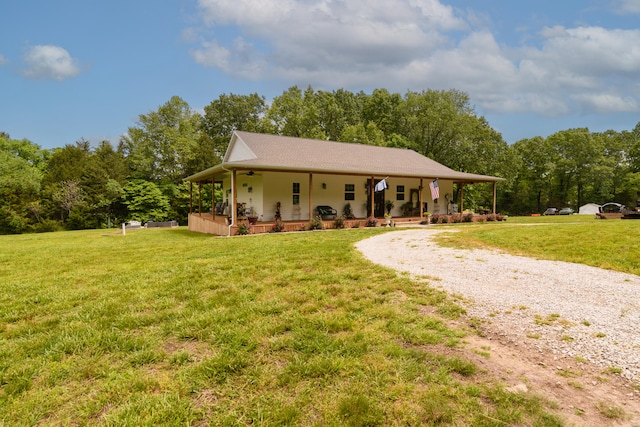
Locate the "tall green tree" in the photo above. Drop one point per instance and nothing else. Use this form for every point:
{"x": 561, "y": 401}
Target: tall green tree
{"x": 162, "y": 145}
{"x": 385, "y": 109}
{"x": 66, "y": 165}
{"x": 21, "y": 165}
{"x": 437, "y": 123}
{"x": 633, "y": 139}
{"x": 104, "y": 176}
{"x": 145, "y": 201}
{"x": 577, "y": 153}
{"x": 610, "y": 167}
{"x": 286, "y": 114}
{"x": 531, "y": 190}
{"x": 363, "y": 134}
{"x": 225, "y": 115}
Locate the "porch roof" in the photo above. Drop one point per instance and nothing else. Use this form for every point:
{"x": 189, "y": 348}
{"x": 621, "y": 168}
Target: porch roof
{"x": 265, "y": 152}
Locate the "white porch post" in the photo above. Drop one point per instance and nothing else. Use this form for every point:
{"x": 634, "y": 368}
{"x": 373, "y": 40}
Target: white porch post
{"x": 461, "y": 197}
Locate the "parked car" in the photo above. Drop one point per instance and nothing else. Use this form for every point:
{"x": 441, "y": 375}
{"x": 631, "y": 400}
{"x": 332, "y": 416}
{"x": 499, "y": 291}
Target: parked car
{"x": 551, "y": 211}
{"x": 566, "y": 211}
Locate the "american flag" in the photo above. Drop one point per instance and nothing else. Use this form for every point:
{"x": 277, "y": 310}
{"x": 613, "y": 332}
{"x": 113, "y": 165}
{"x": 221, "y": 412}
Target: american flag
{"x": 435, "y": 191}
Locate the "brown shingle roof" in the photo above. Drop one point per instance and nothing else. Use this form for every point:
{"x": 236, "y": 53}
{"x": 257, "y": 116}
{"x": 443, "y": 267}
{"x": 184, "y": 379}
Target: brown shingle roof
{"x": 273, "y": 152}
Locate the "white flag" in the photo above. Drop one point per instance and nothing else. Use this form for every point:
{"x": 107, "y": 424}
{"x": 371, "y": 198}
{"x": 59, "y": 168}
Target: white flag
{"x": 382, "y": 185}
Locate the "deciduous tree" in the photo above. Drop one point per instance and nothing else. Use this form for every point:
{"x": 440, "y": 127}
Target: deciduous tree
{"x": 162, "y": 146}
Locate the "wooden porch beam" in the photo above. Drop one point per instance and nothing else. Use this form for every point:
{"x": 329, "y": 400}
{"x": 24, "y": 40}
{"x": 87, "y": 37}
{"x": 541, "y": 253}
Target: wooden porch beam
{"x": 371, "y": 194}
{"x": 234, "y": 198}
{"x": 420, "y": 199}
{"x": 494, "y": 196}
{"x": 310, "y": 196}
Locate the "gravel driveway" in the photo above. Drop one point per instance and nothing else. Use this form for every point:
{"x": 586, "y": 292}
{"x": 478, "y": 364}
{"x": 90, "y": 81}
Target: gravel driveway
{"x": 569, "y": 309}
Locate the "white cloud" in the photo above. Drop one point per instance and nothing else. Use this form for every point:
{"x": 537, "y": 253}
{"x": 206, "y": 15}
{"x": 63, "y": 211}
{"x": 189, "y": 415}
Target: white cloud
{"x": 607, "y": 102}
{"x": 48, "y": 62}
{"x": 419, "y": 44}
{"x": 3, "y": 60}
{"x": 310, "y": 34}
{"x": 214, "y": 55}
{"x": 627, "y": 6}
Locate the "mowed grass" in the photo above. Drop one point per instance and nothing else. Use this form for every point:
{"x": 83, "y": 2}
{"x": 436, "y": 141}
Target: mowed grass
{"x": 612, "y": 244}
{"x": 169, "y": 327}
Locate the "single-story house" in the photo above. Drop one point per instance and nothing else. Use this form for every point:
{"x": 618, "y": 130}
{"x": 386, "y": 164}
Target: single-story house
{"x": 273, "y": 177}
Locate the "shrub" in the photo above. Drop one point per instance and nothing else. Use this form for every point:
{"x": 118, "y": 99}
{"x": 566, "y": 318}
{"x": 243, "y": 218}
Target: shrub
{"x": 356, "y": 224}
{"x": 480, "y": 218}
{"x": 243, "y": 229}
{"x": 46, "y": 226}
{"x": 347, "y": 211}
{"x": 339, "y": 221}
{"x": 371, "y": 222}
{"x": 277, "y": 227}
{"x": 491, "y": 218}
{"x": 456, "y": 218}
{"x": 435, "y": 218}
{"x": 316, "y": 223}
{"x": 468, "y": 217}
{"x": 444, "y": 219}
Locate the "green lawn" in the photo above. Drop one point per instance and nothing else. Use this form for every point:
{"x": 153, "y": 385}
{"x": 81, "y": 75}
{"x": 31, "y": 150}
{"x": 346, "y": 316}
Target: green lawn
{"x": 612, "y": 244}
{"x": 168, "y": 327}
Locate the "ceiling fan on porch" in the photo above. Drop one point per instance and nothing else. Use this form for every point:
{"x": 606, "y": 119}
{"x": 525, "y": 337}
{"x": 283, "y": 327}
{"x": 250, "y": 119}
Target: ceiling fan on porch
{"x": 248, "y": 172}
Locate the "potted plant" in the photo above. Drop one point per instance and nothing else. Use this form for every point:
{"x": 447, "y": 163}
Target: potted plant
{"x": 427, "y": 217}
{"x": 388, "y": 204}
{"x": 407, "y": 209}
{"x": 253, "y": 216}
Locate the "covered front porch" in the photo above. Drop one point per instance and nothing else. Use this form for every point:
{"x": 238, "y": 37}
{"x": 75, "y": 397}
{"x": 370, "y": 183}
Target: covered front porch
{"x": 220, "y": 225}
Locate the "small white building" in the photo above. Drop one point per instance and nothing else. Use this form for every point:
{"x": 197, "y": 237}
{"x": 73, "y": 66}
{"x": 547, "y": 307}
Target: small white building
{"x": 589, "y": 209}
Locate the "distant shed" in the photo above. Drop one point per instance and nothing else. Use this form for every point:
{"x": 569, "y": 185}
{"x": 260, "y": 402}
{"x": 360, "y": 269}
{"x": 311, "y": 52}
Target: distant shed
{"x": 589, "y": 209}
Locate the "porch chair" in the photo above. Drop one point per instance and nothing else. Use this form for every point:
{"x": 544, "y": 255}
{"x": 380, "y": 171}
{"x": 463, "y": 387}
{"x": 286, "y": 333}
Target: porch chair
{"x": 326, "y": 211}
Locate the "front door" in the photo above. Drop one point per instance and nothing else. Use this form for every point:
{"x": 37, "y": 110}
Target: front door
{"x": 378, "y": 202}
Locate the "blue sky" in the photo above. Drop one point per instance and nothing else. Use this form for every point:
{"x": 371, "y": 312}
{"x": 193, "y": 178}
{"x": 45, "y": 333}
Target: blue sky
{"x": 73, "y": 69}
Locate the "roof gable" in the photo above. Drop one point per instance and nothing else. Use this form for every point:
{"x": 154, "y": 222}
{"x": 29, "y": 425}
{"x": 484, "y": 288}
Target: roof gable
{"x": 238, "y": 151}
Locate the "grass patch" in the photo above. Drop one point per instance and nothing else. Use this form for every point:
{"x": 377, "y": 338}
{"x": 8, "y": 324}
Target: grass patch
{"x": 584, "y": 240}
{"x": 548, "y": 321}
{"x": 612, "y": 411}
{"x": 168, "y": 327}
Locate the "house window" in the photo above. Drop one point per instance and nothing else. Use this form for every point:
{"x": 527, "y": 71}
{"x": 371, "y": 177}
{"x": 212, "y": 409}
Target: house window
{"x": 400, "y": 192}
{"x": 349, "y": 191}
{"x": 296, "y": 193}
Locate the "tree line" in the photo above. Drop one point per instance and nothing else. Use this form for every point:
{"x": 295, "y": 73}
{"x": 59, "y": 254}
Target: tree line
{"x": 79, "y": 186}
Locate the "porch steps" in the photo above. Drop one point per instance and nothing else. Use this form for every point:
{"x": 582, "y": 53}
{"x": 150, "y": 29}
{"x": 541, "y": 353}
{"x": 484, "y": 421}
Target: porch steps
{"x": 407, "y": 221}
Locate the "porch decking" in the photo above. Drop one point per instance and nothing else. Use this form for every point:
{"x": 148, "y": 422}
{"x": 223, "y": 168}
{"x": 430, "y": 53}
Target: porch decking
{"x": 218, "y": 225}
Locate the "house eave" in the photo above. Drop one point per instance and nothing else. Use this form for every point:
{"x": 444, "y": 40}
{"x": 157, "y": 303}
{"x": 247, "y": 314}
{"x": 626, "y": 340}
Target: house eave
{"x": 457, "y": 177}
